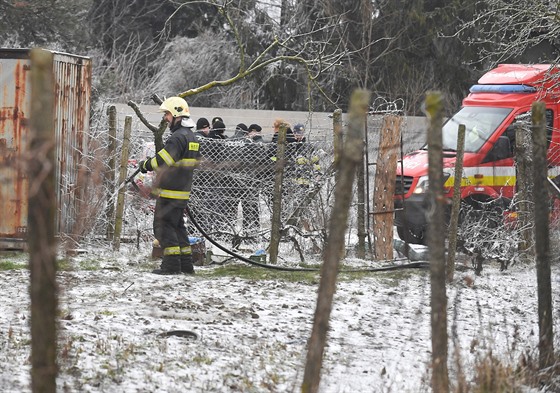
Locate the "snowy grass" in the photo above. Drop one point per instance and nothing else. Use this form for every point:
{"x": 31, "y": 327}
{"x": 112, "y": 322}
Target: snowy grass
{"x": 251, "y": 326}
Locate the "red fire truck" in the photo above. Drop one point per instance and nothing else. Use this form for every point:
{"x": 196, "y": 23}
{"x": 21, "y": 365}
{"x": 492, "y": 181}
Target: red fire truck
{"x": 502, "y": 97}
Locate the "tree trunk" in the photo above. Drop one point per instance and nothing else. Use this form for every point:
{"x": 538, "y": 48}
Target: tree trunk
{"x": 42, "y": 225}
{"x": 285, "y": 13}
{"x": 542, "y": 236}
{"x": 158, "y": 134}
{"x": 350, "y": 159}
{"x": 435, "y": 216}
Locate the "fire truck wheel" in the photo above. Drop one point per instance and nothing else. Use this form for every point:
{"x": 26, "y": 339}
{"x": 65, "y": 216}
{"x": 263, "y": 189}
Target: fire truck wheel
{"x": 412, "y": 235}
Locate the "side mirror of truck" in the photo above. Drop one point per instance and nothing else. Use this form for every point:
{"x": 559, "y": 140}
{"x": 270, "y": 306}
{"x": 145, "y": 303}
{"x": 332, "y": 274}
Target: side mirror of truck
{"x": 500, "y": 150}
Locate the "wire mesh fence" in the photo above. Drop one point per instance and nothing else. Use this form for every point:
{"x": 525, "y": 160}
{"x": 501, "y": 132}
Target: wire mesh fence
{"x": 232, "y": 193}
{"x": 233, "y": 187}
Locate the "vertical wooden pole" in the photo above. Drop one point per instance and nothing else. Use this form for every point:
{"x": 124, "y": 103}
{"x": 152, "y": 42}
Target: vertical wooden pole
{"x": 277, "y": 196}
{"x": 350, "y": 159}
{"x": 542, "y": 236}
{"x": 122, "y": 178}
{"x": 42, "y": 225}
{"x": 361, "y": 191}
{"x": 435, "y": 216}
{"x": 522, "y": 184}
{"x": 110, "y": 172}
{"x": 384, "y": 187}
{"x": 456, "y": 203}
{"x": 337, "y": 136}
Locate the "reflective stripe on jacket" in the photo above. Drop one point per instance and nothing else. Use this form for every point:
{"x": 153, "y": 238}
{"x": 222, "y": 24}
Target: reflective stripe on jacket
{"x": 175, "y": 164}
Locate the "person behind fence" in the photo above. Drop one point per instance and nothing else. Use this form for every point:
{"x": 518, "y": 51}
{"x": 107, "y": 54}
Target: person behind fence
{"x": 174, "y": 165}
{"x": 289, "y": 133}
{"x": 203, "y": 127}
{"x": 218, "y": 129}
{"x": 299, "y": 133}
{"x": 241, "y": 131}
{"x": 247, "y": 190}
{"x": 212, "y": 202}
{"x": 255, "y": 133}
{"x": 290, "y": 138}
{"x": 257, "y": 172}
{"x": 204, "y": 179}
{"x": 305, "y": 158}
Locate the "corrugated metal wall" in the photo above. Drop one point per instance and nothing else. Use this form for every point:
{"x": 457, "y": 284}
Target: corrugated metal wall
{"x": 14, "y": 107}
{"x": 73, "y": 89}
{"x": 72, "y": 103}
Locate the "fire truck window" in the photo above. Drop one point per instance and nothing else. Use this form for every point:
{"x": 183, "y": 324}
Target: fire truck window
{"x": 510, "y": 134}
{"x": 501, "y": 150}
{"x": 480, "y": 123}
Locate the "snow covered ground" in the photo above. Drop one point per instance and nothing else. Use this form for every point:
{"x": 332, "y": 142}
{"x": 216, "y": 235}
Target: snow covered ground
{"x": 250, "y": 335}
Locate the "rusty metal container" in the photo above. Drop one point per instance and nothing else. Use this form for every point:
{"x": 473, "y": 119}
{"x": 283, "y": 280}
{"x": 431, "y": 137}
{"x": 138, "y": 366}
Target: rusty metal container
{"x": 72, "y": 75}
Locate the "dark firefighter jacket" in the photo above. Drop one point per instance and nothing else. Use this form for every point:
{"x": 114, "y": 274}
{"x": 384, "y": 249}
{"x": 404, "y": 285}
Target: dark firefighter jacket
{"x": 174, "y": 164}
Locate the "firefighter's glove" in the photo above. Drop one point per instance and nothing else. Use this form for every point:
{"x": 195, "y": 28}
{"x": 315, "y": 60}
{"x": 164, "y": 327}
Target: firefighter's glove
{"x": 142, "y": 166}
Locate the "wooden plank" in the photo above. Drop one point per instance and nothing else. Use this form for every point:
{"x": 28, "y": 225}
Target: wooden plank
{"x": 384, "y": 187}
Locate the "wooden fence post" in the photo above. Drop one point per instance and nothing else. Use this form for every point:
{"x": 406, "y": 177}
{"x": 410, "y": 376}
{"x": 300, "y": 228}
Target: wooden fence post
{"x": 436, "y": 243}
{"x": 361, "y": 195}
{"x": 542, "y": 236}
{"x": 110, "y": 172}
{"x": 349, "y": 160}
{"x": 277, "y": 195}
{"x": 42, "y": 225}
{"x": 122, "y": 179}
{"x": 338, "y": 139}
{"x": 384, "y": 187}
{"x": 456, "y": 204}
{"x": 523, "y": 185}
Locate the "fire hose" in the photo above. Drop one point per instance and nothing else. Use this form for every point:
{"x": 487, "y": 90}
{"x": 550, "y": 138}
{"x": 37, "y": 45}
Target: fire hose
{"x": 411, "y": 265}
{"x": 297, "y": 269}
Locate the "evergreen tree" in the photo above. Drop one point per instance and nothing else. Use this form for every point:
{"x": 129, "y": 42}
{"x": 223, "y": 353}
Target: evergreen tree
{"x": 52, "y": 24}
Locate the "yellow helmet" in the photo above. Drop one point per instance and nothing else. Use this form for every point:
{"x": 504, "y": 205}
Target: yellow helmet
{"x": 176, "y": 106}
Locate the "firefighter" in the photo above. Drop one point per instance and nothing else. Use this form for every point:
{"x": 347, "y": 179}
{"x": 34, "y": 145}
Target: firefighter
{"x": 306, "y": 160}
{"x": 174, "y": 165}
{"x": 289, "y": 133}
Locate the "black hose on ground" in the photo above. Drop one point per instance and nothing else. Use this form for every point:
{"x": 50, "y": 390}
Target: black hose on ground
{"x": 412, "y": 265}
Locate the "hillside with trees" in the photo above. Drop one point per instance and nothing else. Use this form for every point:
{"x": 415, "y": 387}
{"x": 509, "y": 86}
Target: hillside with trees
{"x": 301, "y": 55}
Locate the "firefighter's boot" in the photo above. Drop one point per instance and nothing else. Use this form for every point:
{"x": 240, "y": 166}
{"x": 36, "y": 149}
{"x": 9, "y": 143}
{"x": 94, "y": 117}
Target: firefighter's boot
{"x": 187, "y": 264}
{"x": 171, "y": 264}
